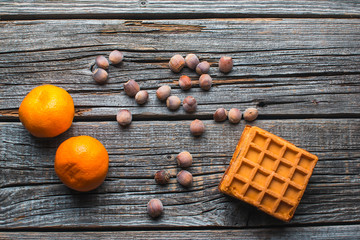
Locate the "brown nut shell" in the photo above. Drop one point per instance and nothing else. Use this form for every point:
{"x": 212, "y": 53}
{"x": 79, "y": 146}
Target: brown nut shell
{"x": 202, "y": 67}
{"x": 100, "y": 76}
{"x": 131, "y": 88}
{"x": 191, "y": 61}
{"x": 173, "y": 103}
{"x": 163, "y": 92}
{"x": 155, "y": 208}
{"x": 225, "y": 64}
{"x": 177, "y": 63}
{"x": 185, "y": 82}
{"x": 102, "y": 62}
{"x": 116, "y": 57}
{"x": 220, "y": 115}
{"x": 124, "y": 117}
{"x": 185, "y": 178}
{"x": 197, "y": 128}
{"x": 184, "y": 159}
{"x": 190, "y": 104}
{"x": 234, "y": 115}
{"x": 141, "y": 97}
{"x": 162, "y": 177}
{"x": 251, "y": 114}
{"x": 205, "y": 82}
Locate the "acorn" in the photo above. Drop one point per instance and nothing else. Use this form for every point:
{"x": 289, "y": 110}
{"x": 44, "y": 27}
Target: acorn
{"x": 173, "y": 103}
{"x": 102, "y": 62}
{"x": 205, "y": 82}
{"x": 100, "y": 76}
{"x": 185, "y": 82}
{"x": 202, "y": 67}
{"x": 131, "y": 88}
{"x": 234, "y": 115}
{"x": 163, "y": 92}
{"x": 189, "y": 104}
{"x": 124, "y": 117}
{"x": 220, "y": 115}
{"x": 225, "y": 64}
{"x": 116, "y": 57}
{"x": 191, "y": 61}
{"x": 251, "y": 114}
{"x": 176, "y": 63}
{"x": 197, "y": 128}
{"x": 155, "y": 208}
{"x": 184, "y": 159}
{"x": 141, "y": 97}
{"x": 162, "y": 177}
{"x": 185, "y": 178}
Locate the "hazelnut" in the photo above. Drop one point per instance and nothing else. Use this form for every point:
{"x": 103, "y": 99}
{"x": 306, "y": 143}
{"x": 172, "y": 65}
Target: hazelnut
{"x": 155, "y": 208}
{"x": 100, "y": 76}
{"x": 162, "y": 177}
{"x": 202, "y": 67}
{"x": 185, "y": 178}
{"x": 141, "y": 97}
{"x": 234, "y": 115}
{"x": 176, "y": 63}
{"x": 116, "y": 57}
{"x": 251, "y": 114}
{"x": 197, "y": 127}
{"x": 184, "y": 159}
{"x": 205, "y": 82}
{"x": 225, "y": 64}
{"x": 124, "y": 117}
{"x": 173, "y": 103}
{"x": 163, "y": 92}
{"x": 185, "y": 82}
{"x": 102, "y": 62}
{"x": 191, "y": 61}
{"x": 220, "y": 115}
{"x": 131, "y": 88}
{"x": 189, "y": 104}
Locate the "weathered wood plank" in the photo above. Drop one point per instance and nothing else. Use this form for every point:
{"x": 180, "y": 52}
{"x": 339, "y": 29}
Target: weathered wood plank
{"x": 319, "y": 232}
{"x": 286, "y": 66}
{"x": 32, "y": 196}
{"x": 178, "y": 9}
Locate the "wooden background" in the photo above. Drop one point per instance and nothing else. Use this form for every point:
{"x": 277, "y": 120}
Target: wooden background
{"x": 296, "y": 61}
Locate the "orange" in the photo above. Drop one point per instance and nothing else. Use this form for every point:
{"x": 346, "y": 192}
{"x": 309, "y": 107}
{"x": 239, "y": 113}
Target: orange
{"x": 47, "y": 111}
{"x": 81, "y": 163}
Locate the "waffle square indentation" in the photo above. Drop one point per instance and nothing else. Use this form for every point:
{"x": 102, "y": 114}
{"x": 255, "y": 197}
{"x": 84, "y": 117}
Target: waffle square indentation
{"x": 268, "y": 201}
{"x": 237, "y": 185}
{"x": 252, "y": 193}
{"x": 276, "y": 185}
{"x": 245, "y": 170}
{"x": 268, "y": 162}
{"x": 292, "y": 193}
{"x": 253, "y": 154}
{"x": 290, "y": 155}
{"x": 284, "y": 209}
{"x": 274, "y": 147}
{"x": 306, "y": 162}
{"x": 299, "y": 177}
{"x": 260, "y": 178}
{"x": 283, "y": 169}
{"x": 259, "y": 140}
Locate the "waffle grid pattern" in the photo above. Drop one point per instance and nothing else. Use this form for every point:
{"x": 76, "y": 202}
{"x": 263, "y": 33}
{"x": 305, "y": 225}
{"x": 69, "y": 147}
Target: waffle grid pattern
{"x": 270, "y": 174}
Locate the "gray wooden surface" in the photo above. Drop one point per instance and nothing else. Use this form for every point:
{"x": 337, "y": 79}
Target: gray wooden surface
{"x": 296, "y": 61}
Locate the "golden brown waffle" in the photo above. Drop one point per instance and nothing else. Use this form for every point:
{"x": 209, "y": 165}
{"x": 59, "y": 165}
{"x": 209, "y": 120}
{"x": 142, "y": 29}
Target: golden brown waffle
{"x": 268, "y": 172}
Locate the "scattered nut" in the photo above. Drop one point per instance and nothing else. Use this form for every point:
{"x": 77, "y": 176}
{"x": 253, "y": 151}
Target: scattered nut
{"x": 185, "y": 178}
{"x": 141, "y": 97}
{"x": 185, "y": 82}
{"x": 202, "y": 67}
{"x": 197, "y": 127}
{"x": 220, "y": 115}
{"x": 155, "y": 208}
{"x": 234, "y": 115}
{"x": 189, "y": 104}
{"x": 173, "y": 103}
{"x": 191, "y": 61}
{"x": 225, "y": 64}
{"x": 251, "y": 114}
{"x": 184, "y": 159}
{"x": 100, "y": 76}
{"x": 205, "y": 82}
{"x": 163, "y": 92}
{"x": 116, "y": 57}
{"x": 131, "y": 88}
{"x": 162, "y": 177}
{"x": 176, "y": 63}
{"x": 124, "y": 117}
{"x": 102, "y": 62}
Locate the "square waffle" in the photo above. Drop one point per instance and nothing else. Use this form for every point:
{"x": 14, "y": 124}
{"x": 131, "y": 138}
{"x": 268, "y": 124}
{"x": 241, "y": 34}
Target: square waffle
{"x": 268, "y": 172}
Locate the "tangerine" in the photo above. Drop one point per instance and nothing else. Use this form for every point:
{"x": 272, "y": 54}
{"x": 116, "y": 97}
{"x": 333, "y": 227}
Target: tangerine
{"x": 47, "y": 111}
{"x": 81, "y": 163}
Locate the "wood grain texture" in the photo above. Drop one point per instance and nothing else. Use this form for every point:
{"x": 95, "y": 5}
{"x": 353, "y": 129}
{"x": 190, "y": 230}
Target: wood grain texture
{"x": 286, "y": 67}
{"x": 31, "y": 196}
{"x": 319, "y": 232}
{"x": 176, "y": 9}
